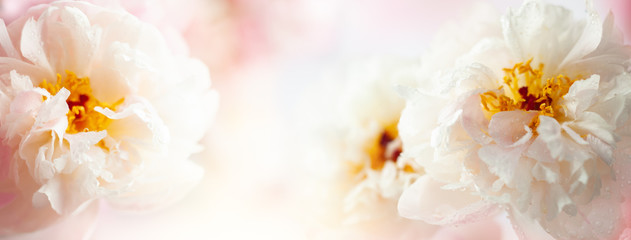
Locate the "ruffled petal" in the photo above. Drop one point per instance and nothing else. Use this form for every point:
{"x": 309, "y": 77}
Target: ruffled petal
{"x": 509, "y": 127}
{"x": 594, "y": 124}
{"x": 582, "y": 95}
{"x": 590, "y": 38}
{"x": 502, "y": 161}
{"x": 426, "y": 200}
{"x": 32, "y": 45}
{"x": 474, "y": 121}
{"x": 75, "y": 50}
{"x": 136, "y": 119}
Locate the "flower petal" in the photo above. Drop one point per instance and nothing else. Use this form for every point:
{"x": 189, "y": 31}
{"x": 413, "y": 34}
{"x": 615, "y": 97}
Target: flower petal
{"x": 594, "y": 124}
{"x": 136, "y": 119}
{"x": 590, "y": 38}
{"x": 581, "y": 95}
{"x": 473, "y": 120}
{"x": 502, "y": 161}
{"x": 425, "y": 200}
{"x": 603, "y": 150}
{"x": 75, "y": 50}
{"x": 32, "y": 46}
{"x": 508, "y": 127}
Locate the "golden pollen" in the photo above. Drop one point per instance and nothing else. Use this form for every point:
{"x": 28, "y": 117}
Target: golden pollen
{"x": 81, "y": 117}
{"x": 525, "y": 89}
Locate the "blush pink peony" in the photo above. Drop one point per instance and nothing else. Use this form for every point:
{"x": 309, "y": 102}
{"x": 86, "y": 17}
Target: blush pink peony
{"x": 94, "y": 106}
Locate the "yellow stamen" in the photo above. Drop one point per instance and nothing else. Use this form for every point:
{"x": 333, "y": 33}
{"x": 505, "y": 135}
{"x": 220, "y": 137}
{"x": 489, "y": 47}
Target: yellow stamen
{"x": 81, "y": 117}
{"x": 525, "y": 89}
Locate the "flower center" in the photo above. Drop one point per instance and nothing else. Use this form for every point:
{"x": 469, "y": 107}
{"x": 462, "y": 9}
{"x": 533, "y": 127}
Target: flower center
{"x": 385, "y": 147}
{"x": 81, "y": 117}
{"x": 525, "y": 89}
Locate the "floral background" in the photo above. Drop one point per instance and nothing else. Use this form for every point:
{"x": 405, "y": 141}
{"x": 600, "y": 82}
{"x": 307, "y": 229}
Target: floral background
{"x": 276, "y": 65}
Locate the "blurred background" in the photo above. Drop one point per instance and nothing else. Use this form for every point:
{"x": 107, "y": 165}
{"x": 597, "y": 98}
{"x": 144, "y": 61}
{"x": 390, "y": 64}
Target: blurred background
{"x": 265, "y": 58}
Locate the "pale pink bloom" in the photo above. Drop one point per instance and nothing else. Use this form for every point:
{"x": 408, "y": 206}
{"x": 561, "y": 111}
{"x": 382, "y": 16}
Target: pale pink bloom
{"x": 360, "y": 176}
{"x": 528, "y": 114}
{"x": 94, "y": 106}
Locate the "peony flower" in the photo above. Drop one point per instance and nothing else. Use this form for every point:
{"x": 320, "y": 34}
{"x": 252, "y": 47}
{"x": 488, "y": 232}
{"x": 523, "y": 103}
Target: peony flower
{"x": 369, "y": 112}
{"x": 363, "y": 173}
{"x": 528, "y": 116}
{"x": 93, "y": 106}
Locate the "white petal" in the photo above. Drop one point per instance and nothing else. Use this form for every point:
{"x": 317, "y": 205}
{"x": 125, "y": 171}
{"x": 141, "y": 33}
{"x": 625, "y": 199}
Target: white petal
{"x": 508, "y": 127}
{"x": 25, "y": 102}
{"x": 387, "y": 181}
{"x": 425, "y": 200}
{"x": 415, "y": 128}
{"x": 474, "y": 121}
{"x": 528, "y": 30}
{"x": 592, "y": 123}
{"x": 502, "y": 161}
{"x": 31, "y": 45}
{"x": 54, "y": 110}
{"x": 20, "y": 82}
{"x": 136, "y": 119}
{"x": 82, "y": 152}
{"x": 551, "y": 145}
{"x": 541, "y": 172}
{"x": 604, "y": 150}
{"x": 67, "y": 196}
{"x": 550, "y": 134}
{"x": 589, "y": 39}
{"x": 441, "y": 135}
{"x": 73, "y": 52}
{"x": 581, "y": 95}
{"x": 573, "y": 135}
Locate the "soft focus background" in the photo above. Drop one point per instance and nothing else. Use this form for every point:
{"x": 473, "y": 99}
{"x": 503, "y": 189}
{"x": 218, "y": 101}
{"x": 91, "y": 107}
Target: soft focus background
{"x": 265, "y": 57}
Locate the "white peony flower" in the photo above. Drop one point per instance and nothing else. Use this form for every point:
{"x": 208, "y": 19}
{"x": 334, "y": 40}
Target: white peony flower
{"x": 530, "y": 115}
{"x": 363, "y": 173}
{"x": 94, "y": 107}
{"x": 368, "y": 113}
